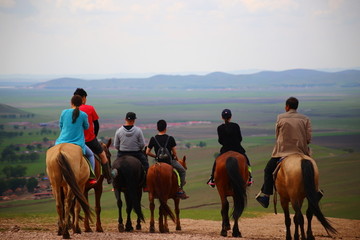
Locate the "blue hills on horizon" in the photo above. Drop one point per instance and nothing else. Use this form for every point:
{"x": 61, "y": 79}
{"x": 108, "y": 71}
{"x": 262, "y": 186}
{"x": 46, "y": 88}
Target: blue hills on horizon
{"x": 298, "y": 78}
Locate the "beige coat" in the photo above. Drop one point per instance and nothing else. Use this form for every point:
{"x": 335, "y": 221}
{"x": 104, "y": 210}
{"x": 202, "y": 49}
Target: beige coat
{"x": 293, "y": 134}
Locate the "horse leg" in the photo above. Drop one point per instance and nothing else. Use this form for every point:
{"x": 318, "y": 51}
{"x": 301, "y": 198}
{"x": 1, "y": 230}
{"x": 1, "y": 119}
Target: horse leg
{"x": 309, "y": 216}
{"x": 152, "y": 208}
{"x": 236, "y": 232}
{"x": 98, "y": 192}
{"x": 59, "y": 198}
{"x": 119, "y": 204}
{"x": 86, "y": 220}
{"x": 138, "y": 222}
{"x": 285, "y": 207}
{"x": 161, "y": 216}
{"x": 225, "y": 217}
{"x": 177, "y": 212}
{"x": 128, "y": 226}
{"x": 166, "y": 227}
{"x": 76, "y": 218}
{"x": 67, "y": 209}
{"x": 299, "y": 221}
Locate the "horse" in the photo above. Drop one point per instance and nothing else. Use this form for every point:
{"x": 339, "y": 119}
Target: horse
{"x": 297, "y": 178}
{"x": 162, "y": 184}
{"x": 98, "y": 189}
{"x": 129, "y": 180}
{"x": 68, "y": 173}
{"x": 231, "y": 175}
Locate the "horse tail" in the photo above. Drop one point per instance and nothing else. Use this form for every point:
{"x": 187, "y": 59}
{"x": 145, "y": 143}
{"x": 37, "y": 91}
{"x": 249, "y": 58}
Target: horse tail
{"x": 133, "y": 182}
{"x": 238, "y": 185}
{"x": 159, "y": 191}
{"x": 311, "y": 194}
{"x": 69, "y": 177}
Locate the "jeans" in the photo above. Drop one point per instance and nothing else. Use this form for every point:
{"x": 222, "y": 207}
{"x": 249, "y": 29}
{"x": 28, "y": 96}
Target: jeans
{"x": 90, "y": 155}
{"x": 181, "y": 171}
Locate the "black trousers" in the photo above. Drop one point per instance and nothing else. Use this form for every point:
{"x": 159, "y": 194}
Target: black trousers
{"x": 268, "y": 186}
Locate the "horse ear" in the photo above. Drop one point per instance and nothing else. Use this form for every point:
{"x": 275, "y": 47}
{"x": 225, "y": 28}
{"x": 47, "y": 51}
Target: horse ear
{"x": 184, "y": 158}
{"x": 108, "y": 143}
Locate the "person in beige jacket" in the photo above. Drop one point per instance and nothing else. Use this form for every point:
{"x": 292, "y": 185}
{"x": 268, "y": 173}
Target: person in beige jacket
{"x": 293, "y": 135}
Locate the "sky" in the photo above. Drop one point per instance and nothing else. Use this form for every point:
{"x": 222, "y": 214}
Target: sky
{"x": 135, "y": 37}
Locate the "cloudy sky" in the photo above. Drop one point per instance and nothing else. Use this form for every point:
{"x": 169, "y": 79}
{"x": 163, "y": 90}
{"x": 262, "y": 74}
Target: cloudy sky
{"x": 167, "y": 36}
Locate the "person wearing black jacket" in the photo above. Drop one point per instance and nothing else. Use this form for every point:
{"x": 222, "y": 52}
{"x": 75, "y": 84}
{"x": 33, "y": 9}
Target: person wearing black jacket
{"x": 229, "y": 136}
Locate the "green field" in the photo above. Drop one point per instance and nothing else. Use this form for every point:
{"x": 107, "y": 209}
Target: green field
{"x": 335, "y": 118}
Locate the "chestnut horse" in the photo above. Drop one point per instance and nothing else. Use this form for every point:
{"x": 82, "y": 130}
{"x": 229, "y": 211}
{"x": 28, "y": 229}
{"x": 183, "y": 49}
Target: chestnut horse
{"x": 68, "y": 173}
{"x": 98, "y": 188}
{"x": 231, "y": 175}
{"x": 297, "y": 178}
{"x": 129, "y": 180}
{"x": 162, "y": 183}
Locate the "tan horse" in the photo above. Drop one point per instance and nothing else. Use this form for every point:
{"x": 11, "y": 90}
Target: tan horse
{"x": 231, "y": 175}
{"x": 297, "y": 179}
{"x": 162, "y": 183}
{"x": 68, "y": 173}
{"x": 98, "y": 189}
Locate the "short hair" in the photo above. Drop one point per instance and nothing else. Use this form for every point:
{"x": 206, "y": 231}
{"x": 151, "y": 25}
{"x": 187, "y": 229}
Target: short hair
{"x": 161, "y": 125}
{"x": 292, "y": 102}
{"x": 81, "y": 92}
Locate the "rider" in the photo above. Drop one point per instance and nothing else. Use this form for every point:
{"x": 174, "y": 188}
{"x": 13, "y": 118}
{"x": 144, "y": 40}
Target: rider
{"x": 293, "y": 134}
{"x": 162, "y": 138}
{"x": 129, "y": 140}
{"x": 92, "y": 132}
{"x": 72, "y": 124}
{"x": 229, "y": 136}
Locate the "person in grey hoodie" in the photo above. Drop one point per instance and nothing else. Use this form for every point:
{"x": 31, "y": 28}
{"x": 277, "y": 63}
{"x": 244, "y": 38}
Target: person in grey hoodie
{"x": 129, "y": 140}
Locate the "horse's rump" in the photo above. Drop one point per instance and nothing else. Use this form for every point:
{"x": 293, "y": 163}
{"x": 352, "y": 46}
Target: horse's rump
{"x": 162, "y": 184}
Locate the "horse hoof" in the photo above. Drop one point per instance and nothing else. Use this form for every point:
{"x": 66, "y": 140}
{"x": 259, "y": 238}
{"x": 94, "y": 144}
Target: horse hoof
{"x": 66, "y": 236}
{"x": 88, "y": 230}
{"x": 152, "y": 230}
{"x": 236, "y": 234}
{"x": 178, "y": 228}
{"x": 130, "y": 229}
{"x": 138, "y": 227}
{"x": 121, "y": 228}
{"x": 223, "y": 233}
{"x": 99, "y": 229}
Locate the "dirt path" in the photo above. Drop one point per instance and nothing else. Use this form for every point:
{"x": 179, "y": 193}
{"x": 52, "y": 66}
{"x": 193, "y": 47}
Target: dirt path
{"x": 268, "y": 227}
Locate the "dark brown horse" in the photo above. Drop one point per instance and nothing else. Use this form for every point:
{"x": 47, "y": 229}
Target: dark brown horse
{"x": 129, "y": 180}
{"x": 297, "y": 178}
{"x": 231, "y": 174}
{"x": 98, "y": 189}
{"x": 163, "y": 184}
{"x": 68, "y": 172}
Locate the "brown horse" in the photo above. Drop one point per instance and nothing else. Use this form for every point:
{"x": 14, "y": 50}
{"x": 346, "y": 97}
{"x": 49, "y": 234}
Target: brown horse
{"x": 163, "y": 184}
{"x": 68, "y": 173}
{"x": 297, "y": 178}
{"x": 98, "y": 189}
{"x": 231, "y": 175}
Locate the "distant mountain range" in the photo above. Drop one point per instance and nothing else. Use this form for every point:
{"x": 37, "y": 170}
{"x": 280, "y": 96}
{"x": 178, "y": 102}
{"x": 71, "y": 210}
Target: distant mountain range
{"x": 297, "y": 78}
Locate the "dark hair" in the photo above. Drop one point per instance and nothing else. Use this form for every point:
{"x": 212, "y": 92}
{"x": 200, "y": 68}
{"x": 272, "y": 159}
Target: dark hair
{"x": 76, "y": 100}
{"x": 161, "y": 125}
{"x": 292, "y": 102}
{"x": 81, "y": 92}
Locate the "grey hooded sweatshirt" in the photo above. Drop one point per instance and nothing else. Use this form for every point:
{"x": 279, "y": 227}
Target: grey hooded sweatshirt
{"x": 129, "y": 139}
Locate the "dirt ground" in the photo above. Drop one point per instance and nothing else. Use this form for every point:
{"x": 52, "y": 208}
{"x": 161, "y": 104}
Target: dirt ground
{"x": 269, "y": 227}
